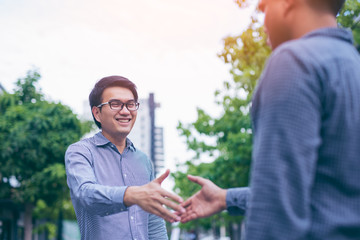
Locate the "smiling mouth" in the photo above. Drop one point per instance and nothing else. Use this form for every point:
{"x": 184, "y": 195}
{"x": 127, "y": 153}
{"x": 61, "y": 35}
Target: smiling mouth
{"x": 124, "y": 120}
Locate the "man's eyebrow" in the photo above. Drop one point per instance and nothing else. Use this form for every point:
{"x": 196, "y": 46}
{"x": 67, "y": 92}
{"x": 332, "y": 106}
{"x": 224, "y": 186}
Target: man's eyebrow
{"x": 114, "y": 99}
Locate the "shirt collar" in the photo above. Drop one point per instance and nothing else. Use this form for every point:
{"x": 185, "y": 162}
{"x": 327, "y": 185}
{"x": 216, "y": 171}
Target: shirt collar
{"x": 336, "y": 32}
{"x": 101, "y": 140}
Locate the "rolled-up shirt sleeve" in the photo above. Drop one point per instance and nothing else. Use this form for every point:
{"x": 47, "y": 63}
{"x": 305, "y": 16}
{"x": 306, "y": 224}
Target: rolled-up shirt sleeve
{"x": 237, "y": 200}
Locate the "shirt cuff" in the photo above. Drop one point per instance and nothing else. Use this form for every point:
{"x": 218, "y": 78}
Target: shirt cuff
{"x": 118, "y": 199}
{"x": 237, "y": 200}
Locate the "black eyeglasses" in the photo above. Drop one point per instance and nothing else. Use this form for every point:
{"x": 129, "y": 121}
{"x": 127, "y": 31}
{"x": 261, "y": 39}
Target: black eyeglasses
{"x": 118, "y": 105}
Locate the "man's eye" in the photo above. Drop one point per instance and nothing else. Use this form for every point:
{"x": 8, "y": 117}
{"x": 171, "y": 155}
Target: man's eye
{"x": 116, "y": 104}
{"x": 131, "y": 104}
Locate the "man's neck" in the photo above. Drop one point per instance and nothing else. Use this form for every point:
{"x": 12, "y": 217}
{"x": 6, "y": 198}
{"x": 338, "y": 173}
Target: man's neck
{"x": 307, "y": 22}
{"x": 118, "y": 141}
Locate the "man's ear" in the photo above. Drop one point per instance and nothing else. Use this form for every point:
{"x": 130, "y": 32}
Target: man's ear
{"x": 289, "y": 6}
{"x": 96, "y": 111}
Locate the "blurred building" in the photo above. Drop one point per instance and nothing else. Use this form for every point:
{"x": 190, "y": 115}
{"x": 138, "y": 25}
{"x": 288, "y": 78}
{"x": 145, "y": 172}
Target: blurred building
{"x": 145, "y": 135}
{"x": 11, "y": 220}
{"x": 2, "y": 89}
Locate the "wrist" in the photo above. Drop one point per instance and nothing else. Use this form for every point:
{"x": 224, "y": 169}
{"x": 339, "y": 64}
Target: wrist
{"x": 130, "y": 196}
{"x": 223, "y": 204}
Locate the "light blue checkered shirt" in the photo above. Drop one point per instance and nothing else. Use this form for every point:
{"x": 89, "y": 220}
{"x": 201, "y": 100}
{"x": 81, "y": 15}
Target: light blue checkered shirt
{"x": 305, "y": 178}
{"x": 98, "y": 175}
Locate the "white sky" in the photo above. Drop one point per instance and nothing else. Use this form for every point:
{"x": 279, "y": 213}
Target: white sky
{"x": 167, "y": 47}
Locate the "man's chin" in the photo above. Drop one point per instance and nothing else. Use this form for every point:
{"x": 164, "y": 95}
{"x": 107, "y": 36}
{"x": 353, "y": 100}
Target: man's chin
{"x": 124, "y": 132}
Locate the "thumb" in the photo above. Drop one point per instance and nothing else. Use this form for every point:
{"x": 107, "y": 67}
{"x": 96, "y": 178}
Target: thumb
{"x": 160, "y": 179}
{"x": 199, "y": 180}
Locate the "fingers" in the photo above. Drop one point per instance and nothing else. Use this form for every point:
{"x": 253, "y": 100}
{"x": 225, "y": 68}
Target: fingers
{"x": 172, "y": 196}
{"x": 187, "y": 203}
{"x": 160, "y": 179}
{"x": 167, "y": 194}
{"x": 158, "y": 205}
{"x": 163, "y": 192}
{"x": 166, "y": 214}
{"x": 153, "y": 199}
{"x": 172, "y": 205}
{"x": 199, "y": 180}
{"x": 187, "y": 217}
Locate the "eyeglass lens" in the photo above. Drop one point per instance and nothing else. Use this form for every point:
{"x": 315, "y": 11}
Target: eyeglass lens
{"x": 118, "y": 105}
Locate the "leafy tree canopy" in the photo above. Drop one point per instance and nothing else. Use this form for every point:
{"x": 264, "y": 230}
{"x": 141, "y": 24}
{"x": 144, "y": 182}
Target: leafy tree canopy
{"x": 231, "y": 132}
{"x": 34, "y": 136}
{"x": 349, "y": 17}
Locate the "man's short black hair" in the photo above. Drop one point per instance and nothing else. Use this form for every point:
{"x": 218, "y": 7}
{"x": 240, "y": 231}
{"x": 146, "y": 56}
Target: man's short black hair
{"x": 95, "y": 97}
{"x": 333, "y": 6}
{"x": 336, "y": 5}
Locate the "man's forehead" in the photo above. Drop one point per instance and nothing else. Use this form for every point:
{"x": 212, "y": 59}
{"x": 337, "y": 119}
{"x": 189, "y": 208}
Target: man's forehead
{"x": 117, "y": 92}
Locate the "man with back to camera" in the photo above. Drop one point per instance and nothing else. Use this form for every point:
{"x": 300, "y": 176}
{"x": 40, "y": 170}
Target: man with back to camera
{"x": 306, "y": 121}
{"x": 111, "y": 182}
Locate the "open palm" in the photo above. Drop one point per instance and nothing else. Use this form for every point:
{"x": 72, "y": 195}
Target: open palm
{"x": 209, "y": 200}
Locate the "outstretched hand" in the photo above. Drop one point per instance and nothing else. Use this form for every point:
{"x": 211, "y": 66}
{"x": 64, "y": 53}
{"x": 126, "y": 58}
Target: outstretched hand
{"x": 152, "y": 197}
{"x": 209, "y": 200}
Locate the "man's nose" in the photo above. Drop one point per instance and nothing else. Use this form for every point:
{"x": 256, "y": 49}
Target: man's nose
{"x": 124, "y": 110}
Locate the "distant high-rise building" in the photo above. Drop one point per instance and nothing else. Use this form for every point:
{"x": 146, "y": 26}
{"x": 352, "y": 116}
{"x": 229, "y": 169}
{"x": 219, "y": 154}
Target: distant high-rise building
{"x": 146, "y": 136}
{"x": 2, "y": 89}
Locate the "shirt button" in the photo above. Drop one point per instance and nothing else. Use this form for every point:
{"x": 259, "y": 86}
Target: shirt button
{"x": 125, "y": 175}
{"x": 132, "y": 218}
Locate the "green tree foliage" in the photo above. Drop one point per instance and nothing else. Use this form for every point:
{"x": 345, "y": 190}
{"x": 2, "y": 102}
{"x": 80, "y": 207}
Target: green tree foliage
{"x": 349, "y": 17}
{"x": 231, "y": 132}
{"x": 34, "y": 136}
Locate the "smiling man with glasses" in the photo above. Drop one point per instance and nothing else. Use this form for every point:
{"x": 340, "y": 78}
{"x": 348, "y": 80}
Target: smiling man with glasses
{"x": 112, "y": 185}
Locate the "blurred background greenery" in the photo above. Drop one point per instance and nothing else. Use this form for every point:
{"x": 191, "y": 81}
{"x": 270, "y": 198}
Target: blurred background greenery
{"x": 35, "y": 132}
